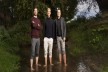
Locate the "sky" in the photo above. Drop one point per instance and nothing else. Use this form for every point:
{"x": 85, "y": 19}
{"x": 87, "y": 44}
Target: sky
{"x": 87, "y": 9}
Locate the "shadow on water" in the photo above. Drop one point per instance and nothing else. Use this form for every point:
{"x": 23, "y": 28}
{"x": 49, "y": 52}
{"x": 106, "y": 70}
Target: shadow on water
{"x": 79, "y": 64}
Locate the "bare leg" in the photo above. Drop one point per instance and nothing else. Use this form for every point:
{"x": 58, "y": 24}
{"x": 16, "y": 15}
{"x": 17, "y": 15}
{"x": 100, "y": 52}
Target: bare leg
{"x": 31, "y": 64}
{"x": 37, "y": 60}
{"x": 50, "y": 58}
{"x": 50, "y": 50}
{"x": 64, "y": 58}
{"x": 45, "y": 61}
{"x": 45, "y": 50}
{"x": 60, "y": 58}
{"x": 36, "y": 68}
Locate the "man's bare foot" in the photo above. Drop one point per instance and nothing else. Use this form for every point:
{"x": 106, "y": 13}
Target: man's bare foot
{"x": 38, "y": 64}
{"x": 51, "y": 64}
{"x": 32, "y": 69}
{"x": 65, "y": 64}
{"x": 45, "y": 66}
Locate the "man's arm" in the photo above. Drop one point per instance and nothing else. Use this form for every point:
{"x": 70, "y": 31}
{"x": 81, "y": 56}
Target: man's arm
{"x": 36, "y": 26}
{"x": 64, "y": 24}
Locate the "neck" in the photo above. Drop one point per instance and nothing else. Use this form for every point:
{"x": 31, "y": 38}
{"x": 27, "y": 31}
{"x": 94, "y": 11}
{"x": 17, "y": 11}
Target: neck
{"x": 35, "y": 16}
{"x": 48, "y": 16}
{"x": 58, "y": 17}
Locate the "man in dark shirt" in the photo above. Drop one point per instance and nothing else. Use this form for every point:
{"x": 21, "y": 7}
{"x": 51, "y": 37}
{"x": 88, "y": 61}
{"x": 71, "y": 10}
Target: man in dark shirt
{"x": 48, "y": 36}
{"x": 61, "y": 36}
{"x": 35, "y": 38}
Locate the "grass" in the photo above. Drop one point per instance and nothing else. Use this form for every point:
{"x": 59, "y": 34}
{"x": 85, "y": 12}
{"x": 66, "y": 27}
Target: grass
{"x": 8, "y": 60}
{"x": 10, "y": 41}
{"x": 104, "y": 69}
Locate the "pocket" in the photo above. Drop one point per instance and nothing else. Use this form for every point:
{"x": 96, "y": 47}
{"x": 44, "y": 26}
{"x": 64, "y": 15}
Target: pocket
{"x": 51, "y": 39}
{"x": 45, "y": 39}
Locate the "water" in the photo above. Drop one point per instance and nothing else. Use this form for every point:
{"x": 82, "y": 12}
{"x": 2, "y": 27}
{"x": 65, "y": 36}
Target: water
{"x": 85, "y": 63}
{"x": 83, "y": 67}
{"x": 79, "y": 64}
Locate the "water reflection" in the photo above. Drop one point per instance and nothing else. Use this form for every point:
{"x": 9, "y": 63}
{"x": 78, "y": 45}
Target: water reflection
{"x": 55, "y": 68}
{"x": 82, "y": 67}
{"x": 50, "y": 68}
{"x": 61, "y": 68}
{"x": 36, "y": 69}
{"x": 64, "y": 68}
{"x": 45, "y": 69}
{"x": 81, "y": 64}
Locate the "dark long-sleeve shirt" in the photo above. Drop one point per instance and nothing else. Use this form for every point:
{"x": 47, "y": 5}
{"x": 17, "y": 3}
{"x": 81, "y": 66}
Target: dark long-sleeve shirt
{"x": 35, "y": 27}
{"x": 59, "y": 32}
{"x": 49, "y": 27}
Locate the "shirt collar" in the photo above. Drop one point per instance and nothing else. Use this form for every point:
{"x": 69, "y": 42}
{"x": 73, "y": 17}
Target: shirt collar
{"x": 59, "y": 18}
{"x": 35, "y": 16}
{"x": 48, "y": 17}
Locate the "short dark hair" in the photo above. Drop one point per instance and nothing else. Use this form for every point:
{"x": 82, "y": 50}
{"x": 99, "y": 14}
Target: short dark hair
{"x": 48, "y": 8}
{"x": 35, "y": 8}
{"x": 58, "y": 8}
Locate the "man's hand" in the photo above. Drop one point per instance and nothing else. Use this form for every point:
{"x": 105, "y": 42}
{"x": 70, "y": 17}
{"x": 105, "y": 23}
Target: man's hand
{"x": 64, "y": 39}
{"x": 33, "y": 22}
{"x": 38, "y": 24}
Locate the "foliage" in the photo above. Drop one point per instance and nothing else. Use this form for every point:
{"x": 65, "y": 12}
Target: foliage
{"x": 8, "y": 53}
{"x": 69, "y": 9}
{"x": 104, "y": 69}
{"x": 24, "y": 9}
{"x": 42, "y": 10}
{"x": 20, "y": 33}
{"x": 87, "y": 36}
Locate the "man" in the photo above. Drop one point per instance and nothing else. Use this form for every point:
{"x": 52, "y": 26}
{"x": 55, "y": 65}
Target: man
{"x": 48, "y": 37}
{"x": 61, "y": 36}
{"x": 35, "y": 38}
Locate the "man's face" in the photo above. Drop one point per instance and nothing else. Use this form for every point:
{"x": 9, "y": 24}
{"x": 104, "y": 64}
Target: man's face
{"x": 58, "y": 13}
{"x": 48, "y": 12}
{"x": 35, "y": 11}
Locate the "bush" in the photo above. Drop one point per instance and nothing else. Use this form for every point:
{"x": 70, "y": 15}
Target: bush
{"x": 8, "y": 53}
{"x": 87, "y": 36}
{"x": 20, "y": 32}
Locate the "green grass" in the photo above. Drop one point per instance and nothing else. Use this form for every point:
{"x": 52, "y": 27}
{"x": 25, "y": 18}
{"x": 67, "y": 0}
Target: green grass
{"x": 8, "y": 60}
{"x": 104, "y": 69}
{"x": 10, "y": 40}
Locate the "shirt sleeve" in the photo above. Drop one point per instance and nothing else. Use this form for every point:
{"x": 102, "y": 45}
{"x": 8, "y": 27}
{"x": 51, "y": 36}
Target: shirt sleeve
{"x": 38, "y": 26}
{"x": 34, "y": 25}
{"x": 64, "y": 24}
